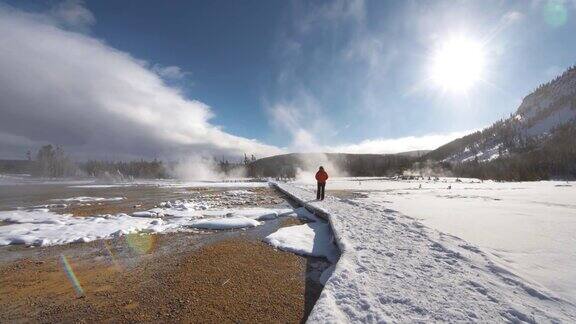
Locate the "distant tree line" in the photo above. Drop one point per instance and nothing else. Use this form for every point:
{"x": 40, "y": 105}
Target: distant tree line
{"x": 52, "y": 162}
{"x": 549, "y": 157}
{"x": 16, "y": 166}
{"x": 372, "y": 165}
{"x": 545, "y": 86}
{"x": 355, "y": 165}
{"x": 227, "y": 167}
{"x": 142, "y": 169}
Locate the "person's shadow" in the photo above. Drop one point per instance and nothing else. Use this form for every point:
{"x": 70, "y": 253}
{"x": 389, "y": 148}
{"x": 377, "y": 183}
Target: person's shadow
{"x": 313, "y": 288}
{"x": 314, "y": 268}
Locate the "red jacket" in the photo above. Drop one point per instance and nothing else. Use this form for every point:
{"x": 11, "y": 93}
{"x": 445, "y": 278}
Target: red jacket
{"x": 321, "y": 176}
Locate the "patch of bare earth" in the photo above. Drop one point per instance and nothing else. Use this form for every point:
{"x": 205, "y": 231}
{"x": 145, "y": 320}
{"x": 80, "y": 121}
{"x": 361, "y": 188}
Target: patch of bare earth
{"x": 175, "y": 277}
{"x": 292, "y": 221}
{"x": 235, "y": 280}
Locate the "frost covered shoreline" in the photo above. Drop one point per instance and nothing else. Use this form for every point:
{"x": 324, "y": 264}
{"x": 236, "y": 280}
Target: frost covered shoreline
{"x": 42, "y": 226}
{"x": 60, "y": 213}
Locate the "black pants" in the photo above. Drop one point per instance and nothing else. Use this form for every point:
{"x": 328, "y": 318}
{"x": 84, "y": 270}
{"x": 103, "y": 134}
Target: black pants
{"x": 320, "y": 191}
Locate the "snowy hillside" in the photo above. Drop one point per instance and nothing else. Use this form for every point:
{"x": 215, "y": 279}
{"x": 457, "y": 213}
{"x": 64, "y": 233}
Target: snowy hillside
{"x": 540, "y": 114}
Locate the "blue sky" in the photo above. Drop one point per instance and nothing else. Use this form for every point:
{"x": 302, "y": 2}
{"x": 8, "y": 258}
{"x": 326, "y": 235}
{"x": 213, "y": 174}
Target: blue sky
{"x": 329, "y": 75}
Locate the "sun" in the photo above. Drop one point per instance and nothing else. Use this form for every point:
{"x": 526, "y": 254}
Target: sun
{"x": 457, "y": 64}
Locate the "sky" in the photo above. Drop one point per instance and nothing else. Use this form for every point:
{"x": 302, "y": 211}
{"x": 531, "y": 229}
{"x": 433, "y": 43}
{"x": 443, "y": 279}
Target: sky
{"x": 143, "y": 79}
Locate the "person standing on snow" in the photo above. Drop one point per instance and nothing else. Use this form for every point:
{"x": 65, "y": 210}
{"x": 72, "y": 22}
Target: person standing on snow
{"x": 321, "y": 177}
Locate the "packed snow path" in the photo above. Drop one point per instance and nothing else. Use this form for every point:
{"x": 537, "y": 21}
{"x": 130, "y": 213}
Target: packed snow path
{"x": 394, "y": 269}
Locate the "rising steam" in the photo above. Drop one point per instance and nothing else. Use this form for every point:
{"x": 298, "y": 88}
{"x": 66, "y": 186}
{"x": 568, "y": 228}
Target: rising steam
{"x": 199, "y": 168}
{"x": 310, "y": 164}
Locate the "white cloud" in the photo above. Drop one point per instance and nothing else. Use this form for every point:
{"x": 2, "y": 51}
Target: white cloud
{"x": 397, "y": 145}
{"x": 71, "y": 89}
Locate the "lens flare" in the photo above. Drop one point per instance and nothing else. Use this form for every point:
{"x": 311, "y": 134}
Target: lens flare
{"x": 141, "y": 243}
{"x": 71, "y": 276}
{"x": 555, "y": 13}
{"x": 115, "y": 262}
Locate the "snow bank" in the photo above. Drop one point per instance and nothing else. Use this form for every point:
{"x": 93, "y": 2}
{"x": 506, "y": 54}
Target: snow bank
{"x": 36, "y": 216}
{"x": 47, "y": 228}
{"x": 225, "y": 223}
{"x": 313, "y": 239}
{"x": 395, "y": 269}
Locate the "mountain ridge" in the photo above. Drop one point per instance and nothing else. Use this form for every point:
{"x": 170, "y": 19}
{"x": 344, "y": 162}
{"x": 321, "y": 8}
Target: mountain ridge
{"x": 547, "y": 113}
{"x": 549, "y": 106}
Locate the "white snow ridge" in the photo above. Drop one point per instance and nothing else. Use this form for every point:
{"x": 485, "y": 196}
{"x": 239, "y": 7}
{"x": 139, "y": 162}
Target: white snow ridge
{"x": 394, "y": 269}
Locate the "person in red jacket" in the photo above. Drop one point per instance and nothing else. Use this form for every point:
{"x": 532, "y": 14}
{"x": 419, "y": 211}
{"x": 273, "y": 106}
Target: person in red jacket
{"x": 321, "y": 177}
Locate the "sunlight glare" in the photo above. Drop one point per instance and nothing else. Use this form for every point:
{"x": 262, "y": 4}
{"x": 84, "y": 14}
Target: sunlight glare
{"x": 457, "y": 64}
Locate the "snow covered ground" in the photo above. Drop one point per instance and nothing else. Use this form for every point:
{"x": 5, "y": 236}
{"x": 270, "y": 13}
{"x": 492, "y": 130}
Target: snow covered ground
{"x": 394, "y": 268}
{"x": 526, "y": 226}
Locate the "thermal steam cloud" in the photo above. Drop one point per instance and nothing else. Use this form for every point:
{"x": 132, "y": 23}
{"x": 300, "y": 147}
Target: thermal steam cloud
{"x": 200, "y": 168}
